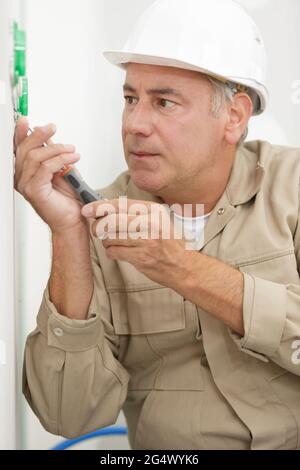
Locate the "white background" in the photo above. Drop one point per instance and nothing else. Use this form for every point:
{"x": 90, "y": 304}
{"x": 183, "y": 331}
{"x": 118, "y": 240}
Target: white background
{"x": 72, "y": 85}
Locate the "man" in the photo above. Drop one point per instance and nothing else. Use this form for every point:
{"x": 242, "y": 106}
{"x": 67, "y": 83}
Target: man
{"x": 200, "y": 348}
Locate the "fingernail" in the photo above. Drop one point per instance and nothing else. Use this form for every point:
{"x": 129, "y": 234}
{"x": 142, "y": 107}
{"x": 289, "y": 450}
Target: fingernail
{"x": 21, "y": 119}
{"x": 69, "y": 147}
{"x": 87, "y": 211}
{"x": 50, "y": 128}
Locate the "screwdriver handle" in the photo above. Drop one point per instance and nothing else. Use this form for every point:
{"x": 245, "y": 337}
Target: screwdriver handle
{"x": 73, "y": 178}
{"x": 85, "y": 193}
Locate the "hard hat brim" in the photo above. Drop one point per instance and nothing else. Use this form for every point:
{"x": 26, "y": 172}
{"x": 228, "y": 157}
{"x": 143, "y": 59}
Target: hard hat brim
{"x": 122, "y": 58}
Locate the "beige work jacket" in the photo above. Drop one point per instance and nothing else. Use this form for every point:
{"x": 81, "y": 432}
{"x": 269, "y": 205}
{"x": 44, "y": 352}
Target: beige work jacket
{"x": 183, "y": 379}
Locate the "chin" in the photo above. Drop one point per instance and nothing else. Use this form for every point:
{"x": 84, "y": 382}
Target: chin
{"x": 146, "y": 181}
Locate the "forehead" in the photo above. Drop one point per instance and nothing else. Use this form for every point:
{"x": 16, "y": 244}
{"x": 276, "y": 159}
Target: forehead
{"x": 163, "y": 76}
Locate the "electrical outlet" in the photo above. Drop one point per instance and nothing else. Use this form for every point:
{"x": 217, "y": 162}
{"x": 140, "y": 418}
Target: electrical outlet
{"x": 19, "y": 81}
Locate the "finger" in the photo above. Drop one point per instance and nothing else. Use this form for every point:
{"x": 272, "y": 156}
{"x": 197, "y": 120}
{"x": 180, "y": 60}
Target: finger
{"x": 123, "y": 253}
{"x": 119, "y": 205}
{"x": 28, "y": 167}
{"x": 35, "y": 140}
{"x": 121, "y": 226}
{"x": 55, "y": 164}
{"x": 47, "y": 169}
{"x": 37, "y": 156}
{"x": 21, "y": 131}
{"x": 99, "y": 209}
{"x": 107, "y": 243}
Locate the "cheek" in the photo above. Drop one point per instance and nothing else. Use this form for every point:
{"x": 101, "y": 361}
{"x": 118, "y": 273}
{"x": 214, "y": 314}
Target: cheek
{"x": 193, "y": 144}
{"x": 123, "y": 131}
{"x": 207, "y": 134}
{"x": 185, "y": 140}
{"x": 124, "y": 142}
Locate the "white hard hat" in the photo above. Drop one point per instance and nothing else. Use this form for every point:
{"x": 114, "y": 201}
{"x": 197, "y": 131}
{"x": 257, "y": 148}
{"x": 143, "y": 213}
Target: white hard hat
{"x": 215, "y": 37}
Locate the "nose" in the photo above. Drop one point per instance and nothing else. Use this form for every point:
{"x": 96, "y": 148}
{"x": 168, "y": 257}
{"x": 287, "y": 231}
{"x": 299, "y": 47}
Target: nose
{"x": 138, "y": 120}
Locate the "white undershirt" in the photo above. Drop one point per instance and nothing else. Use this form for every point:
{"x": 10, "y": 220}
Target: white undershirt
{"x": 193, "y": 227}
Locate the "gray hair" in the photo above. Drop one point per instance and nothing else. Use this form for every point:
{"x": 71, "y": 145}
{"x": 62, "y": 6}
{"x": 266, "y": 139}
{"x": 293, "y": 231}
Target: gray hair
{"x": 224, "y": 92}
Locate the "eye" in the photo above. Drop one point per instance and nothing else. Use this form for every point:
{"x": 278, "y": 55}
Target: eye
{"x": 164, "y": 101}
{"x": 128, "y": 99}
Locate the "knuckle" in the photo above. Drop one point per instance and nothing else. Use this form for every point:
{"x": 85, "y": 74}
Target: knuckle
{"x": 56, "y": 148}
{"x": 60, "y": 148}
{"x": 150, "y": 263}
{"x": 39, "y": 131}
{"x": 25, "y": 191}
{"x": 20, "y": 188}
{"x": 45, "y": 165}
{"x": 18, "y": 152}
{"x": 31, "y": 154}
{"x": 16, "y": 181}
{"x": 25, "y": 164}
{"x": 143, "y": 259}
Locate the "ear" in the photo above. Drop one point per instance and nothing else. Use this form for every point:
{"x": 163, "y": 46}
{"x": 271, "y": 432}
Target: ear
{"x": 239, "y": 113}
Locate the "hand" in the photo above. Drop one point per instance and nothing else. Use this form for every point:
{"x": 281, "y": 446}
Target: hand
{"x": 37, "y": 179}
{"x": 146, "y": 241}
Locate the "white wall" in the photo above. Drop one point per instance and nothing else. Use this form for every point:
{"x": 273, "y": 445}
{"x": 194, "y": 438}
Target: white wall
{"x": 279, "y": 22}
{"x": 7, "y": 318}
{"x": 72, "y": 85}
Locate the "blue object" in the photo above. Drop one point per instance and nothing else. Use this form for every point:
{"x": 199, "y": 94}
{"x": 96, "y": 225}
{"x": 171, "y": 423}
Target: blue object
{"x": 109, "y": 431}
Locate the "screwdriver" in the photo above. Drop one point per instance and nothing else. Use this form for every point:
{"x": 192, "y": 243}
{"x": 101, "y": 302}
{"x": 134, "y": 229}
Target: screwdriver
{"x": 19, "y": 89}
{"x": 85, "y": 192}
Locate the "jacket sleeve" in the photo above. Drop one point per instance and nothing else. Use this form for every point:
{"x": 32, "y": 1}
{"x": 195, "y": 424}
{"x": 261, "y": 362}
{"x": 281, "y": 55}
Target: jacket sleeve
{"x": 72, "y": 379}
{"x": 271, "y": 313}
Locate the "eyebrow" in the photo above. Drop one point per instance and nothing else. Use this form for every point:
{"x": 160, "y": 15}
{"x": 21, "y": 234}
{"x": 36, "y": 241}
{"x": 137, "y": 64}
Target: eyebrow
{"x": 154, "y": 91}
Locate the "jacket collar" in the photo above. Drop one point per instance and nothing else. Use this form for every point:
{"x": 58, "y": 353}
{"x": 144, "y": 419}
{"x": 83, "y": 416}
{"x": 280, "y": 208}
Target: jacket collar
{"x": 246, "y": 175}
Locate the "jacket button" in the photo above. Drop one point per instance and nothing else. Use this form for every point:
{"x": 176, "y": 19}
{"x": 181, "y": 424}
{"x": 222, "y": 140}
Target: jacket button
{"x": 221, "y": 211}
{"x": 58, "y": 332}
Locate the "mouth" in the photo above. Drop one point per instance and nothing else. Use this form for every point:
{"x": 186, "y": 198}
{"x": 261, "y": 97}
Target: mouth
{"x": 143, "y": 155}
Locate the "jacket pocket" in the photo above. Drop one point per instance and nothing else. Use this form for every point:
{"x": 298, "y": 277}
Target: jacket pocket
{"x": 278, "y": 267}
{"x": 159, "y": 339}
{"x": 147, "y": 311}
{"x": 263, "y": 258}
